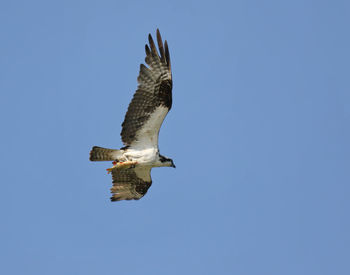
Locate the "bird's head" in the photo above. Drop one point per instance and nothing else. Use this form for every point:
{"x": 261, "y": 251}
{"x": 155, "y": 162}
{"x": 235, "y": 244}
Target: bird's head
{"x": 166, "y": 161}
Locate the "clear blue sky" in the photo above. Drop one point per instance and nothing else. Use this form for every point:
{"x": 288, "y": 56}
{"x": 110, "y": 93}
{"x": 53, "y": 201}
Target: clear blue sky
{"x": 259, "y": 132}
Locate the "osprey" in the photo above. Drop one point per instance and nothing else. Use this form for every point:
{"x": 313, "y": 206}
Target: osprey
{"x": 132, "y": 164}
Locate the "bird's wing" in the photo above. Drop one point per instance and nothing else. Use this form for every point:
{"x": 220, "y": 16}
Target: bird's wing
{"x": 131, "y": 183}
{"x": 152, "y": 99}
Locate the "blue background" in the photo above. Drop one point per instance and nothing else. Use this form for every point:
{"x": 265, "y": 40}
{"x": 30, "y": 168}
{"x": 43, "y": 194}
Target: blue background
{"x": 259, "y": 132}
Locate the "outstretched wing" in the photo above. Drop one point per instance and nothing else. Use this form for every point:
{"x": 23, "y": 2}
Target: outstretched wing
{"x": 152, "y": 99}
{"x": 130, "y": 184}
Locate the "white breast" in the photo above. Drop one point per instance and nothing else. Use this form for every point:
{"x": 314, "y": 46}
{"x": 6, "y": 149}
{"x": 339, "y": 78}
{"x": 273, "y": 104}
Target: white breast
{"x": 142, "y": 156}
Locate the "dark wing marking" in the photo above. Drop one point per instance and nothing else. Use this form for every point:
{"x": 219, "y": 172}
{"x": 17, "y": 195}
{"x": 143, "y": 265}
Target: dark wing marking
{"x": 154, "y": 90}
{"x": 130, "y": 184}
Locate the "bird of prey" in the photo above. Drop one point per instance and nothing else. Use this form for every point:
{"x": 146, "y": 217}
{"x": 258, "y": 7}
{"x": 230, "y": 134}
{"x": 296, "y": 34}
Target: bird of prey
{"x": 132, "y": 164}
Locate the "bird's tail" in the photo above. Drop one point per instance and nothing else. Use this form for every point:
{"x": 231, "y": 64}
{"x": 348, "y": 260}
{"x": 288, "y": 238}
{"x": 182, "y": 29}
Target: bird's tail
{"x": 104, "y": 154}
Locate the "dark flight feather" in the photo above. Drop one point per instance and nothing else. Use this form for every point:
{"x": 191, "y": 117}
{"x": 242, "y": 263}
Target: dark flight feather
{"x": 130, "y": 184}
{"x": 154, "y": 90}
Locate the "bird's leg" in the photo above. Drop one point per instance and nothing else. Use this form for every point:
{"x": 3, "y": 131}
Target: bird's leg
{"x": 122, "y": 165}
{"x": 126, "y": 164}
{"x": 115, "y": 163}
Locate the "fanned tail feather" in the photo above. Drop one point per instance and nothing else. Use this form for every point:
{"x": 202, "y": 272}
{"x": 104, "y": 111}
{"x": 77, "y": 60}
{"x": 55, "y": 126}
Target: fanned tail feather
{"x": 104, "y": 154}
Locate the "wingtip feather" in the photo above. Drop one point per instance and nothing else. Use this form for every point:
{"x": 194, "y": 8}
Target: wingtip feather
{"x": 160, "y": 46}
{"x": 152, "y": 45}
{"x": 167, "y": 55}
{"x": 147, "y": 50}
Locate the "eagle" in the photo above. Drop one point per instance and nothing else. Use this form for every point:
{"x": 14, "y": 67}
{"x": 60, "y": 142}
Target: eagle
{"x": 132, "y": 164}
